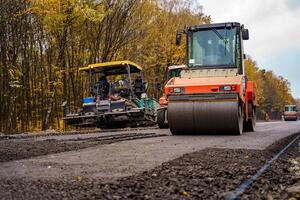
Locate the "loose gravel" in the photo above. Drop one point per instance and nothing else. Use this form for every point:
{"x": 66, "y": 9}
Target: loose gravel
{"x": 206, "y": 174}
{"x": 27, "y": 148}
{"x": 16, "y": 150}
{"x": 27, "y": 135}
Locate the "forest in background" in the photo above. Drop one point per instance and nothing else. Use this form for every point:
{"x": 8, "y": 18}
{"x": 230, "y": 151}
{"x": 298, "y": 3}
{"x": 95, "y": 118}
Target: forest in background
{"x": 44, "y": 42}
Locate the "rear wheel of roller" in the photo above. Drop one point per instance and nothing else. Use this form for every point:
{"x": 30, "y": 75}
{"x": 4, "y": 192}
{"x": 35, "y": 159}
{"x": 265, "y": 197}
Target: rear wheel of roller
{"x": 251, "y": 123}
{"x": 161, "y": 119}
{"x": 239, "y": 131}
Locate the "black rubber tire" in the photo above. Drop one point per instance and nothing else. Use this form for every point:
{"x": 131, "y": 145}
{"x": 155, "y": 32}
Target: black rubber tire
{"x": 249, "y": 126}
{"x": 161, "y": 120}
{"x": 240, "y": 120}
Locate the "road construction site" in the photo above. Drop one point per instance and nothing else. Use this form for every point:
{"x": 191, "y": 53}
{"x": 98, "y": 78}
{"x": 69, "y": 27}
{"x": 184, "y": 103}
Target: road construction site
{"x": 203, "y": 141}
{"x": 149, "y": 163}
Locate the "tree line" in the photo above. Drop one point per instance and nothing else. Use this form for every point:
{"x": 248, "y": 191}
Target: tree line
{"x": 44, "y": 42}
{"x": 272, "y": 91}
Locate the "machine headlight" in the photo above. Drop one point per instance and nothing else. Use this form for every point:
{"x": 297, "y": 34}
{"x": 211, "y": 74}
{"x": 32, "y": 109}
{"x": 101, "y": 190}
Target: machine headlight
{"x": 177, "y": 90}
{"x": 228, "y": 88}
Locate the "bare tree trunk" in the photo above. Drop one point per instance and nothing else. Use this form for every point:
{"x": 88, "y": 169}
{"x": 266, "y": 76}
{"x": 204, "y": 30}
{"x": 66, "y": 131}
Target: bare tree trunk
{"x": 51, "y": 100}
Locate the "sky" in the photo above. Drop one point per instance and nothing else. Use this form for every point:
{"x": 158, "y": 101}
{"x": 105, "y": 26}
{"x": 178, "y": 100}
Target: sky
{"x": 274, "y": 28}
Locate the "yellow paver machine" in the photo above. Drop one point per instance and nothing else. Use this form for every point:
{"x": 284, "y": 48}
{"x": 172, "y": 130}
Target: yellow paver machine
{"x": 117, "y": 97}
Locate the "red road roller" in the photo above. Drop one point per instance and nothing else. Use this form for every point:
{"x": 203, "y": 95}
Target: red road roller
{"x": 212, "y": 94}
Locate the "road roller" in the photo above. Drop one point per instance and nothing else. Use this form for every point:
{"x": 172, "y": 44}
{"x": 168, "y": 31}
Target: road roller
{"x": 212, "y": 94}
{"x": 290, "y": 113}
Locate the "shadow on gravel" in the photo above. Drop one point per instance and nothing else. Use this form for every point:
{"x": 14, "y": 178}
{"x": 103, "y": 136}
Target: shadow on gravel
{"x": 206, "y": 174}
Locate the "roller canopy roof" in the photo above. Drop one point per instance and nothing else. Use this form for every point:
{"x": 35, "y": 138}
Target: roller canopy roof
{"x": 216, "y": 25}
{"x": 113, "y": 68}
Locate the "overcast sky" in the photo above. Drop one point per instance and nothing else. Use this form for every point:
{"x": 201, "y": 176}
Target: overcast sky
{"x": 274, "y": 27}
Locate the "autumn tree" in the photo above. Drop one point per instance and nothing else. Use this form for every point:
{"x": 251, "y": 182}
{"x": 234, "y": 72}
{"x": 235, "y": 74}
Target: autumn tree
{"x": 272, "y": 92}
{"x": 44, "y": 42}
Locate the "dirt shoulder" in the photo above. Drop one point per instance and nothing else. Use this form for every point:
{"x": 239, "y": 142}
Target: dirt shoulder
{"x": 206, "y": 174}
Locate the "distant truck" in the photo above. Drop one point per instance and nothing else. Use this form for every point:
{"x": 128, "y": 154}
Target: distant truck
{"x": 290, "y": 113}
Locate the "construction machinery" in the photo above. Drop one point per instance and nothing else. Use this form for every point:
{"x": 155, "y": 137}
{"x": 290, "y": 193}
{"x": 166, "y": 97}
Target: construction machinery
{"x": 172, "y": 71}
{"x": 117, "y": 100}
{"x": 212, "y": 95}
{"x": 290, "y": 113}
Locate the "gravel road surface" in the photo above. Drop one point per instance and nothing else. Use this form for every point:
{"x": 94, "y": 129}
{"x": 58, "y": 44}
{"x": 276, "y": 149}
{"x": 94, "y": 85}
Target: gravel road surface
{"x": 109, "y": 165}
{"x": 130, "y": 157}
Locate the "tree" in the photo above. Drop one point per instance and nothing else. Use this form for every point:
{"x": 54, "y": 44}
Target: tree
{"x": 44, "y": 42}
{"x": 272, "y": 92}
{"x": 60, "y": 19}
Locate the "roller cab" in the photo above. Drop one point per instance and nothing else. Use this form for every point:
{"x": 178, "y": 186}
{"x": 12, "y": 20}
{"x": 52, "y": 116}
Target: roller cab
{"x": 212, "y": 94}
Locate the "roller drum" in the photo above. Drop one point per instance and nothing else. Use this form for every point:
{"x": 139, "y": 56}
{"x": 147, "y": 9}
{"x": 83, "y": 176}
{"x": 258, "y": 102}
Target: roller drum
{"x": 200, "y": 117}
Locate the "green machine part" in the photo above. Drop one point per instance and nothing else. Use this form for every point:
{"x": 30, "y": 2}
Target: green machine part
{"x": 147, "y": 103}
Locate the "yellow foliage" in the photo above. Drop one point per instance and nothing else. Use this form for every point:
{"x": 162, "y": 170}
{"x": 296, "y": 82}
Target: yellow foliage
{"x": 56, "y": 15}
{"x": 49, "y": 39}
{"x": 272, "y": 92}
